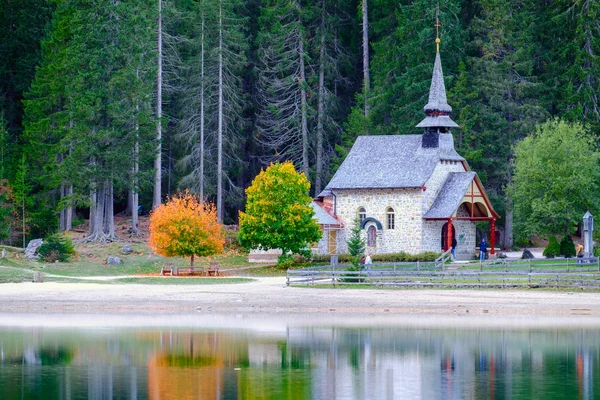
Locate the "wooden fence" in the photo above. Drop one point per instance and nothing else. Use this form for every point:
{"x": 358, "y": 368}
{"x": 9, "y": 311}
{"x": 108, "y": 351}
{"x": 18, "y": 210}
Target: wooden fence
{"x": 410, "y": 276}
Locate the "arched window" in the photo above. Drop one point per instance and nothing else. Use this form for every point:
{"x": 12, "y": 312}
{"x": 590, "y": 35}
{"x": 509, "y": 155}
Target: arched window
{"x": 391, "y": 218}
{"x": 362, "y": 214}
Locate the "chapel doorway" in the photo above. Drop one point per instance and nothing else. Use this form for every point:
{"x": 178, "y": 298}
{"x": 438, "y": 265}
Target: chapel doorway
{"x": 332, "y": 242}
{"x": 372, "y": 236}
{"x": 444, "y": 238}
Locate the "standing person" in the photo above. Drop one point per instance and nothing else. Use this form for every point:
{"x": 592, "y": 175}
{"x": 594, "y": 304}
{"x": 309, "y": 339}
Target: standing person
{"x": 482, "y": 249}
{"x": 579, "y": 250}
{"x": 362, "y": 262}
{"x": 368, "y": 262}
{"x": 454, "y": 243}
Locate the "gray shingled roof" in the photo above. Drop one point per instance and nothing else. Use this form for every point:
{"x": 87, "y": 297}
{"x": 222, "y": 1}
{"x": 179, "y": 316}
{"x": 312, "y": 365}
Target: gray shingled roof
{"x": 322, "y": 216}
{"x": 451, "y": 194}
{"x": 395, "y": 161}
{"x": 437, "y": 121}
{"x": 437, "y": 91}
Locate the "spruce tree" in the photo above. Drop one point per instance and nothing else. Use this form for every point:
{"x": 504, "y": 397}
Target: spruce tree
{"x": 501, "y": 95}
{"x": 356, "y": 245}
{"x": 283, "y": 75}
{"x": 213, "y": 101}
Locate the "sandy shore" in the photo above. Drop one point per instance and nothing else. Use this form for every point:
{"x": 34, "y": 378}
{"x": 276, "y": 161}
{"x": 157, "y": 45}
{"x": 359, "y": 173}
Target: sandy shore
{"x": 270, "y": 296}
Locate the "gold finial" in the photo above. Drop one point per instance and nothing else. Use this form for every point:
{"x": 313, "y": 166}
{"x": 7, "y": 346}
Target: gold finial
{"x": 437, "y": 29}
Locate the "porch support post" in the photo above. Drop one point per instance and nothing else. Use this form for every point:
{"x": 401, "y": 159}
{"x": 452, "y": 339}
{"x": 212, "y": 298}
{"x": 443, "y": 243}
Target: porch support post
{"x": 493, "y": 235}
{"x": 449, "y": 235}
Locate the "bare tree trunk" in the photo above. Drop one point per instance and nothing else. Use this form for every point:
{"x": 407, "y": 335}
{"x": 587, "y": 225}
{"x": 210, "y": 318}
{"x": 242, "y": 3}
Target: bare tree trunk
{"x": 109, "y": 215}
{"x": 508, "y": 229}
{"x": 366, "y": 76}
{"x": 202, "y": 109}
{"x": 63, "y": 212}
{"x": 93, "y": 211}
{"x": 156, "y": 198}
{"x": 66, "y": 214}
{"x": 220, "y": 123}
{"x": 97, "y": 217}
{"x": 133, "y": 192}
{"x": 69, "y": 211}
{"x": 304, "y": 111}
{"x": 321, "y": 105}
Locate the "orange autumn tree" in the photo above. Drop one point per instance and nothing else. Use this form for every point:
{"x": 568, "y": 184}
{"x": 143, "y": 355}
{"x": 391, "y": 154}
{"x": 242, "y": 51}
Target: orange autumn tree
{"x": 184, "y": 226}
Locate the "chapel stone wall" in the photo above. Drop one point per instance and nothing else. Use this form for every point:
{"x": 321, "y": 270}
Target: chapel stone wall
{"x": 406, "y": 235}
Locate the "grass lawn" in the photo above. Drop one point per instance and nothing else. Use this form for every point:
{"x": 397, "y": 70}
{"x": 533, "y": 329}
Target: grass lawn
{"x": 90, "y": 261}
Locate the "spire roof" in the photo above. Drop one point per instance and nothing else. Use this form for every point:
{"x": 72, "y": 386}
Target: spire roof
{"x": 437, "y": 109}
{"x": 437, "y": 91}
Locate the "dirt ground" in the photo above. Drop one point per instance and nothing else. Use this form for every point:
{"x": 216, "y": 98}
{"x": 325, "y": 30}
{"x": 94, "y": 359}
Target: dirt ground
{"x": 270, "y": 297}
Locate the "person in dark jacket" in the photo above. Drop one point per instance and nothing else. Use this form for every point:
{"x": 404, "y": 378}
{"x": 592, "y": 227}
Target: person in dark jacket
{"x": 482, "y": 249}
{"x": 454, "y": 243}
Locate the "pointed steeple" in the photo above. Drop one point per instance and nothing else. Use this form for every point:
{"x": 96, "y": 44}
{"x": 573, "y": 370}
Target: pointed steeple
{"x": 437, "y": 92}
{"x": 437, "y": 109}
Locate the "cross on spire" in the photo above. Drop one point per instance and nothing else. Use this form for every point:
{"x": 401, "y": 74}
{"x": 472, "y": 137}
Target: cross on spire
{"x": 437, "y": 28}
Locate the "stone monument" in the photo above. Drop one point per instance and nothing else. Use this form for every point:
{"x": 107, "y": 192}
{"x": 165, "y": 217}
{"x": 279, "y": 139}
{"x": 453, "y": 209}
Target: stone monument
{"x": 588, "y": 242}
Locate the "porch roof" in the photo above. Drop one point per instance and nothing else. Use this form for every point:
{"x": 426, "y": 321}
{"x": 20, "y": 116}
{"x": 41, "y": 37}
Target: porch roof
{"x": 451, "y": 195}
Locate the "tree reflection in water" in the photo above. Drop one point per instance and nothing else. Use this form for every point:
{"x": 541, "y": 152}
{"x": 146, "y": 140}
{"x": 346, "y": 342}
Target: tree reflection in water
{"x": 299, "y": 363}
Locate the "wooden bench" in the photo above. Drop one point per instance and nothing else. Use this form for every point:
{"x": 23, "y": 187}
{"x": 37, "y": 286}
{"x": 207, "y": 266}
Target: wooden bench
{"x": 213, "y": 269}
{"x": 190, "y": 270}
{"x": 167, "y": 268}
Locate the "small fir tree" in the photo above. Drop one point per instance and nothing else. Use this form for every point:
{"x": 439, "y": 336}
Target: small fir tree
{"x": 186, "y": 227}
{"x": 278, "y": 213}
{"x": 553, "y": 248}
{"x": 56, "y": 248}
{"x": 567, "y": 247}
{"x": 356, "y": 245}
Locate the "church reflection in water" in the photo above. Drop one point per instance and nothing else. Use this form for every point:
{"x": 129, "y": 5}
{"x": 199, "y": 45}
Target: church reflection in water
{"x": 299, "y": 363}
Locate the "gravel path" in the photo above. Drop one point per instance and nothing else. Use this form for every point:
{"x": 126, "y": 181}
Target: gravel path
{"x": 270, "y": 296}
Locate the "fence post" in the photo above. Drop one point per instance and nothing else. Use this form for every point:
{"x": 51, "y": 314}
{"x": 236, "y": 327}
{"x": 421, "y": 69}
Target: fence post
{"x": 287, "y": 277}
{"x": 529, "y": 260}
{"x": 567, "y": 264}
{"x": 480, "y": 265}
{"x": 333, "y": 275}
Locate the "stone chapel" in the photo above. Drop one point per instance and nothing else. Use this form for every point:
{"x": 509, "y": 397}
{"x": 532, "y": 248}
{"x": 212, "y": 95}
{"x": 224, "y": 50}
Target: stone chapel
{"x": 410, "y": 193}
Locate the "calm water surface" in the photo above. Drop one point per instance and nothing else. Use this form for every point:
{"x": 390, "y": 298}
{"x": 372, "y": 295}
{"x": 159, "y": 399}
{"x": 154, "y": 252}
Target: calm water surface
{"x": 299, "y": 362}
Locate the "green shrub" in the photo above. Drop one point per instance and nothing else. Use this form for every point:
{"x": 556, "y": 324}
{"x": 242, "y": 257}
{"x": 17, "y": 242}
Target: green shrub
{"x": 567, "y": 247}
{"x": 392, "y": 257}
{"x": 56, "y": 248}
{"x": 553, "y": 248}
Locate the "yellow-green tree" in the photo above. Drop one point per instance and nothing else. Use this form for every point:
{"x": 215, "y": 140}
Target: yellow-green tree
{"x": 278, "y": 212}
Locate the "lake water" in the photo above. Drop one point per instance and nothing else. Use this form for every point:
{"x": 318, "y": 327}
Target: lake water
{"x": 298, "y": 361}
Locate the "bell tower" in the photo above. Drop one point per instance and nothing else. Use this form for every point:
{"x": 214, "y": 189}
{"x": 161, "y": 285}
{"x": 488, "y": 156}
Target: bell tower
{"x": 437, "y": 110}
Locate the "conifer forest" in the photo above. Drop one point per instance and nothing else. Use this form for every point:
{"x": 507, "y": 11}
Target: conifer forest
{"x": 110, "y": 106}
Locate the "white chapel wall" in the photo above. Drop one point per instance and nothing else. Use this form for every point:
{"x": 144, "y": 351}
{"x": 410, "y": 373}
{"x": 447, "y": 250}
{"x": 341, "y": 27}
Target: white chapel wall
{"x": 407, "y": 208}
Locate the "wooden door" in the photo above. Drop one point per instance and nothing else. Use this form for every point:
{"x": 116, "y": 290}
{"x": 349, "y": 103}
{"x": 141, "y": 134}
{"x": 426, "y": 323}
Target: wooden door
{"x": 332, "y": 242}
